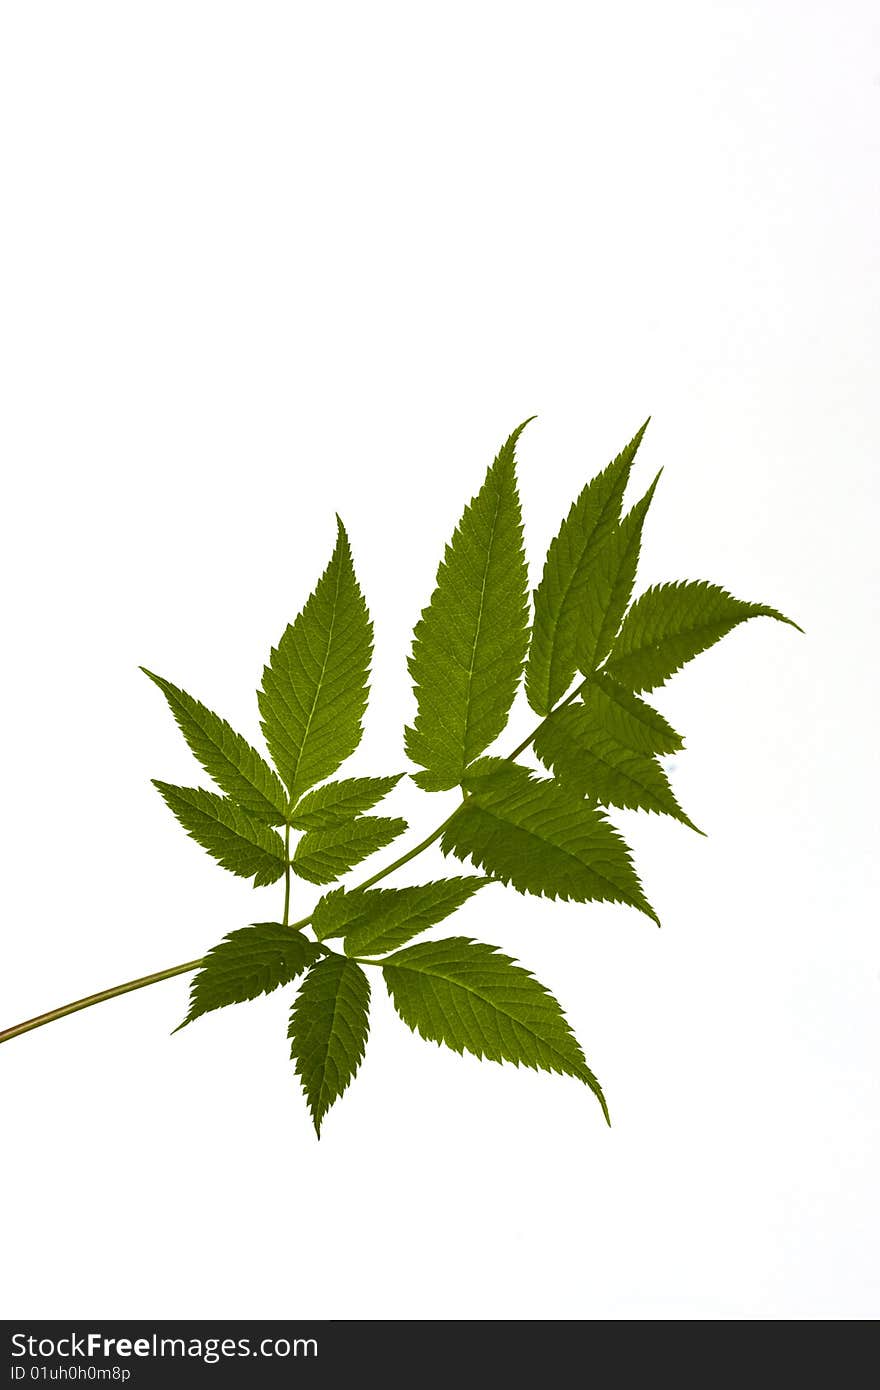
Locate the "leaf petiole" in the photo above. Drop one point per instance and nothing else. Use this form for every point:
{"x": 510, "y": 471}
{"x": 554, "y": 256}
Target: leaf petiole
{"x": 99, "y": 998}
{"x": 521, "y": 747}
{"x": 286, "y": 917}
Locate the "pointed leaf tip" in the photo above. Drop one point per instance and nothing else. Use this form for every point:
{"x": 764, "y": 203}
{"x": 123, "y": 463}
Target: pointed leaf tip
{"x": 519, "y": 429}
{"x": 247, "y": 963}
{"x": 671, "y": 623}
{"x": 245, "y": 846}
{"x": 541, "y": 838}
{"x": 236, "y": 767}
{"x": 322, "y": 856}
{"x": 335, "y": 803}
{"x": 472, "y": 998}
{"x": 608, "y": 583}
{"x": 588, "y": 759}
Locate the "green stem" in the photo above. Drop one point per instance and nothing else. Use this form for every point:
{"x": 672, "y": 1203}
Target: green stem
{"x": 195, "y": 964}
{"x": 98, "y": 999}
{"x": 286, "y": 917}
{"x": 520, "y": 747}
{"x": 389, "y": 868}
{"x": 303, "y": 921}
{"x": 410, "y": 854}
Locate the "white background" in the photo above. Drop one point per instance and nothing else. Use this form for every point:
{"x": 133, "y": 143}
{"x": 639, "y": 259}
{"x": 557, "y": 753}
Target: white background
{"x": 261, "y": 262}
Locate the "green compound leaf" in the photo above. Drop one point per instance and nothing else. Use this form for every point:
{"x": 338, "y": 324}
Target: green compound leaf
{"x": 628, "y": 719}
{"x": 375, "y": 920}
{"x": 241, "y": 844}
{"x": 591, "y": 762}
{"x": 561, "y": 594}
{"x": 337, "y": 802}
{"x": 325, "y": 855}
{"x": 314, "y": 690}
{"x": 473, "y": 999}
{"x": 545, "y": 836}
{"x": 246, "y": 963}
{"x": 542, "y": 839}
{"x": 471, "y": 640}
{"x": 328, "y": 1031}
{"x": 671, "y": 623}
{"x": 236, "y": 767}
{"x": 609, "y": 579}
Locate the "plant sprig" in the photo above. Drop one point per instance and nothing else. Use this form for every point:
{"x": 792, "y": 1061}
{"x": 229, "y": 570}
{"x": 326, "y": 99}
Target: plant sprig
{"x": 589, "y": 655}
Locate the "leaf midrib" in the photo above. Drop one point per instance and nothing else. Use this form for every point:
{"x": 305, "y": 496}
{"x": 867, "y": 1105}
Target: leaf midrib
{"x": 640, "y": 717}
{"x": 605, "y": 636}
{"x": 632, "y": 754}
{"x": 320, "y": 683}
{"x": 705, "y": 624}
{"x": 242, "y": 772}
{"x": 214, "y": 810}
{"x": 468, "y": 989}
{"x": 555, "y": 655}
{"x": 321, "y": 1095}
{"x": 479, "y": 624}
{"x": 560, "y": 849}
